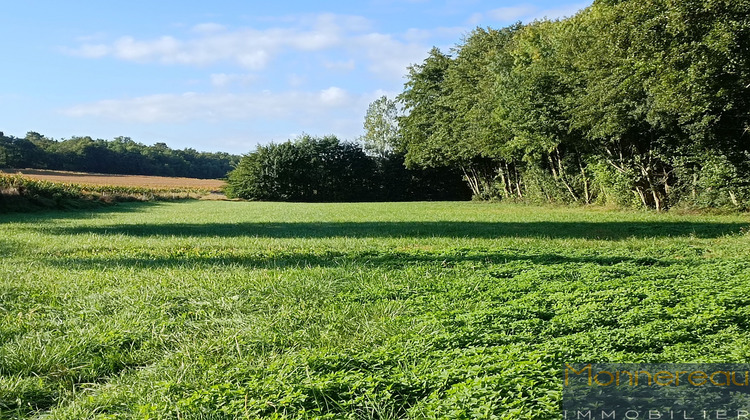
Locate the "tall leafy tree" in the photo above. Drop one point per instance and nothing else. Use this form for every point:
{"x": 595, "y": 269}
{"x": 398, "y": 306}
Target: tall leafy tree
{"x": 424, "y": 109}
{"x": 448, "y": 103}
{"x": 532, "y": 91}
{"x": 475, "y": 140}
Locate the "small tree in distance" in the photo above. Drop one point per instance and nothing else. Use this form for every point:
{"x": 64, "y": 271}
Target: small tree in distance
{"x": 381, "y": 127}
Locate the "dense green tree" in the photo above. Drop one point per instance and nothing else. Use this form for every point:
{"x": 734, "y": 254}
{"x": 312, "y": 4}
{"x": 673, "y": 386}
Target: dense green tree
{"x": 326, "y": 169}
{"x": 448, "y": 103}
{"x": 474, "y": 139}
{"x": 307, "y": 169}
{"x": 423, "y": 108}
{"x": 627, "y": 101}
{"x": 664, "y": 81}
{"x": 532, "y": 90}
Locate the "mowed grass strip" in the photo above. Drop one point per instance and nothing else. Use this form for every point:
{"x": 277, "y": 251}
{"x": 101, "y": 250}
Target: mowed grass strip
{"x": 389, "y": 310}
{"x": 86, "y": 178}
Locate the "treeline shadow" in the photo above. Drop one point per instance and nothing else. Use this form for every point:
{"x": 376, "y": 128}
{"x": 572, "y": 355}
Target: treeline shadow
{"x": 21, "y": 213}
{"x": 446, "y": 229}
{"x": 293, "y": 260}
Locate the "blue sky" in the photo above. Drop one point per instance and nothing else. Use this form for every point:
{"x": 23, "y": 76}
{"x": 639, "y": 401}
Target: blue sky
{"x": 222, "y": 75}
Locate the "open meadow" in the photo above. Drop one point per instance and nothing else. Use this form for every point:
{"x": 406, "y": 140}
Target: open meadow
{"x": 224, "y": 310}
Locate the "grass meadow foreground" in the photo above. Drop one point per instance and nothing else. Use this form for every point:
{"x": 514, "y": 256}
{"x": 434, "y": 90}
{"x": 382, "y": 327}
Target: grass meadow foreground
{"x": 212, "y": 310}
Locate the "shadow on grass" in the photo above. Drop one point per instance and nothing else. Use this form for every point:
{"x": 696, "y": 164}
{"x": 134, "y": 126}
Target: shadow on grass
{"x": 37, "y": 215}
{"x": 439, "y": 229}
{"x": 392, "y": 260}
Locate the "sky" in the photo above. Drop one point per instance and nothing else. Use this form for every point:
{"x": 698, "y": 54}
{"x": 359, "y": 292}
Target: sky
{"x": 223, "y": 75}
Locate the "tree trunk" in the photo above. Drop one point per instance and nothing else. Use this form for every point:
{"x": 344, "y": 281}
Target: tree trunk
{"x": 694, "y": 192}
{"x": 642, "y": 196}
{"x": 541, "y": 188}
{"x": 518, "y": 182}
{"x": 505, "y": 181}
{"x": 510, "y": 181}
{"x": 586, "y": 193}
{"x": 552, "y": 167}
{"x": 657, "y": 199}
{"x": 561, "y": 173}
{"x": 733, "y": 198}
{"x": 472, "y": 180}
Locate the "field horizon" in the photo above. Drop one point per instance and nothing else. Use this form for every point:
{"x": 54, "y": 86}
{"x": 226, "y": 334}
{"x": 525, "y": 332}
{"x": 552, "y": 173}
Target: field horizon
{"x": 100, "y": 179}
{"x": 222, "y": 310}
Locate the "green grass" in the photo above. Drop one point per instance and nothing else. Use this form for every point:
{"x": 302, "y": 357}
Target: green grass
{"x": 213, "y": 310}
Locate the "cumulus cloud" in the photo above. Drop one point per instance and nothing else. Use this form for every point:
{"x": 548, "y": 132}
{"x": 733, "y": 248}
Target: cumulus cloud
{"x": 208, "y": 27}
{"x": 505, "y": 14}
{"x": 526, "y": 12}
{"x": 223, "y": 79}
{"x": 387, "y": 55}
{"x": 213, "y": 43}
{"x": 334, "y": 96}
{"x": 213, "y": 107}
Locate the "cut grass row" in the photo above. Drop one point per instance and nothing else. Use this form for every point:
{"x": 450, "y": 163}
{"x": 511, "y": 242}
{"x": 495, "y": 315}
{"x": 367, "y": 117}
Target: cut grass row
{"x": 388, "y": 310}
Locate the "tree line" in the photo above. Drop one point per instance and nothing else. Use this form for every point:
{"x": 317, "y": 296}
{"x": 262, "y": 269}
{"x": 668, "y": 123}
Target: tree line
{"x": 634, "y": 102}
{"x": 326, "y": 169}
{"x": 119, "y": 156}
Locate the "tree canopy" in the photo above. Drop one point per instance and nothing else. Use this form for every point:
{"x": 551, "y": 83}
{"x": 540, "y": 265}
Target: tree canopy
{"x": 642, "y": 102}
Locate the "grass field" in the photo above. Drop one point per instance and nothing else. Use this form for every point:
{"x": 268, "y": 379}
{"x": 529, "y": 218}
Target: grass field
{"x": 213, "y": 310}
{"x": 86, "y": 178}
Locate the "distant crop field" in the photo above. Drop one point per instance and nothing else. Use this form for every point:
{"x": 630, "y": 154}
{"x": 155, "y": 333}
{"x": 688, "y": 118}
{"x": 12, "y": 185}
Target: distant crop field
{"x": 227, "y": 310}
{"x": 84, "y": 178}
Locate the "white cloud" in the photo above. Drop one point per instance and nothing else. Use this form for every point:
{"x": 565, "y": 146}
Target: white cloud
{"x": 505, "y": 14}
{"x": 223, "y": 79}
{"x": 526, "y": 13}
{"x": 334, "y": 96}
{"x": 128, "y": 48}
{"x": 296, "y": 80}
{"x": 208, "y": 27}
{"x": 214, "y": 107}
{"x": 213, "y": 43}
{"x": 254, "y": 60}
{"x": 342, "y": 65}
{"x": 90, "y": 50}
{"x": 255, "y": 49}
{"x": 388, "y": 56}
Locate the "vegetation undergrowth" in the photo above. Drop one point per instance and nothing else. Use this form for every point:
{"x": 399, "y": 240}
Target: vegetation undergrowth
{"x": 213, "y": 310}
